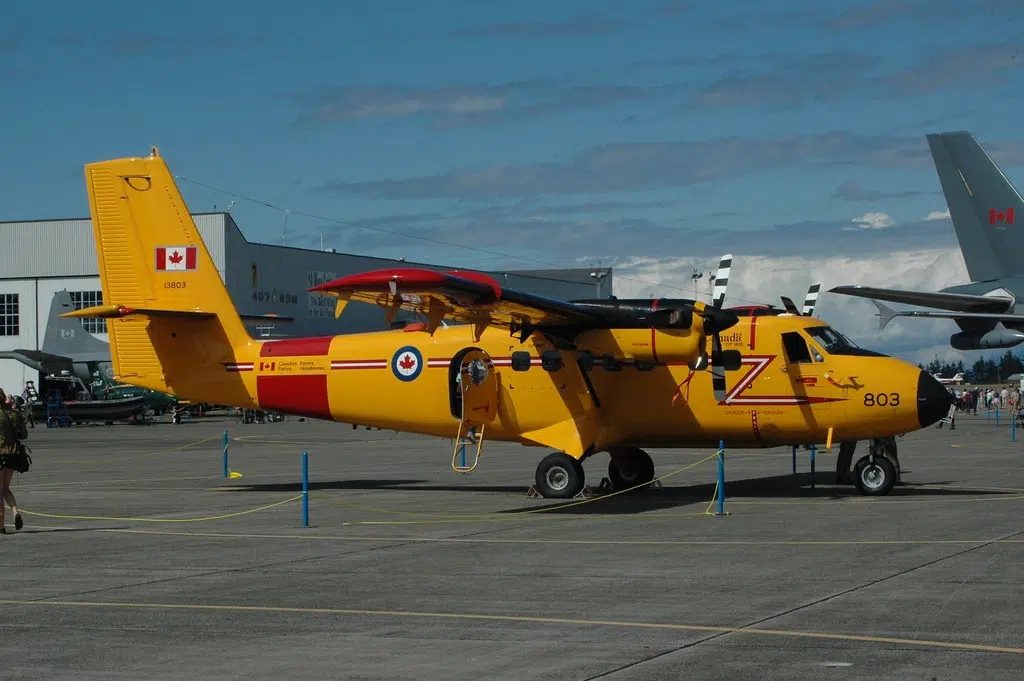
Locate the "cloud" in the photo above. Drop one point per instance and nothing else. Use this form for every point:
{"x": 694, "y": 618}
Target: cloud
{"x": 464, "y": 104}
{"x": 764, "y": 278}
{"x": 577, "y": 26}
{"x": 852, "y": 191}
{"x": 957, "y": 67}
{"x": 511, "y": 236}
{"x": 874, "y": 221}
{"x": 787, "y": 81}
{"x": 637, "y": 166}
{"x": 937, "y": 215}
{"x": 883, "y": 12}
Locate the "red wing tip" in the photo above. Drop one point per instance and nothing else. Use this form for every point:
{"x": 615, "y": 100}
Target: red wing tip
{"x": 381, "y": 279}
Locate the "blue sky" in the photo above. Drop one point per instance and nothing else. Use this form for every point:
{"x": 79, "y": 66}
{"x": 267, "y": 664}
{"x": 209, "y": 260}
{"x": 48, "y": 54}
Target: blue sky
{"x": 560, "y": 132}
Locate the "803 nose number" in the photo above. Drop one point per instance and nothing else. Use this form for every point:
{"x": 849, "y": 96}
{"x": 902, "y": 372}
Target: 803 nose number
{"x": 881, "y": 399}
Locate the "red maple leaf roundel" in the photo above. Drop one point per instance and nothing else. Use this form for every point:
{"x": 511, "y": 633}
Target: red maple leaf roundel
{"x": 175, "y": 257}
{"x": 407, "y": 362}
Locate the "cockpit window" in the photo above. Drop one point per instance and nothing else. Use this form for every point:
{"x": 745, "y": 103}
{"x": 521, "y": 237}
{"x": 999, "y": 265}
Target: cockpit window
{"x": 796, "y": 348}
{"x": 835, "y": 343}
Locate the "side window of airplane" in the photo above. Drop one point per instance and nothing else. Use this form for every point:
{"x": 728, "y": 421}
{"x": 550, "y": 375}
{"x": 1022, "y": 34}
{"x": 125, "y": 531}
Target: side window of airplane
{"x": 796, "y": 348}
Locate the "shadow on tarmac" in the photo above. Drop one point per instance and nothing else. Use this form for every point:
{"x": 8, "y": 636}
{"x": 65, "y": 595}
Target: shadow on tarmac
{"x": 774, "y": 487}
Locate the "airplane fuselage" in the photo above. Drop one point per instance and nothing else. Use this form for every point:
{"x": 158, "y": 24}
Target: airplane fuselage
{"x": 406, "y": 380}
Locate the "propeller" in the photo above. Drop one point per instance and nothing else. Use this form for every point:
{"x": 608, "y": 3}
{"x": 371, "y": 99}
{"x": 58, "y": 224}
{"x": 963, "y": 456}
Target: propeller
{"x": 809, "y": 302}
{"x": 717, "y": 320}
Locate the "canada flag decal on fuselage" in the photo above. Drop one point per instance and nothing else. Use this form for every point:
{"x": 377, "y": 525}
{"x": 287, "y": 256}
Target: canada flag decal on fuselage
{"x": 176, "y": 258}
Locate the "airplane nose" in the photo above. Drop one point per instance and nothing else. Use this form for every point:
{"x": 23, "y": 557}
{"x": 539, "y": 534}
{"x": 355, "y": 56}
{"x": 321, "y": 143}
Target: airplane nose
{"x": 933, "y": 400}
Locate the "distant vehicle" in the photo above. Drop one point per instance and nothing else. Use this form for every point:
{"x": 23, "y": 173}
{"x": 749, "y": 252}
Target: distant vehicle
{"x": 958, "y": 379}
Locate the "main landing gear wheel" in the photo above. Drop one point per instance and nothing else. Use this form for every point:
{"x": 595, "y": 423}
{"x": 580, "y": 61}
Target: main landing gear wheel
{"x": 559, "y": 476}
{"x": 630, "y": 467}
{"x": 874, "y": 478}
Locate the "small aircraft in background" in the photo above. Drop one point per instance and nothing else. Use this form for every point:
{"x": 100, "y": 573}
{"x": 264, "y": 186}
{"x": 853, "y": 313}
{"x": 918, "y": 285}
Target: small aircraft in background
{"x": 958, "y": 379}
{"x": 579, "y": 377}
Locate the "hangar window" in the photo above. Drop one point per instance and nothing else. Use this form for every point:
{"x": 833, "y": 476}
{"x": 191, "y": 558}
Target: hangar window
{"x": 83, "y": 299}
{"x": 9, "y": 314}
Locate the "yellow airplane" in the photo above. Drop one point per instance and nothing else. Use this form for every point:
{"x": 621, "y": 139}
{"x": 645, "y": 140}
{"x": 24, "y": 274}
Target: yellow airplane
{"x": 580, "y": 378}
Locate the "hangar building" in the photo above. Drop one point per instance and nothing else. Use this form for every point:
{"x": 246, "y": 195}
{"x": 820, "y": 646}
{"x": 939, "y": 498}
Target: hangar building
{"x": 40, "y": 258}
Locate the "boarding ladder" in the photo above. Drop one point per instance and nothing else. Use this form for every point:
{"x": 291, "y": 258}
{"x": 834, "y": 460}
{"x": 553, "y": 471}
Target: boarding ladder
{"x": 478, "y": 389}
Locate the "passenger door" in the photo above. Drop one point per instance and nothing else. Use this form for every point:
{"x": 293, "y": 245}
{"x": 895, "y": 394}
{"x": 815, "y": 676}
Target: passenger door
{"x": 805, "y": 367}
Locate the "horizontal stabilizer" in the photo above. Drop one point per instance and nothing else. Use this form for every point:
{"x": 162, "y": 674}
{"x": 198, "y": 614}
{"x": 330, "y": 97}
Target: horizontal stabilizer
{"x": 34, "y": 359}
{"x": 885, "y": 314}
{"x": 961, "y": 302}
{"x": 116, "y": 311}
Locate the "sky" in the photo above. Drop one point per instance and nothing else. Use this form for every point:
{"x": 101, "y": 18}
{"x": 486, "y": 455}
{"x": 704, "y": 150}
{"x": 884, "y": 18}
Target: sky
{"x": 651, "y": 136}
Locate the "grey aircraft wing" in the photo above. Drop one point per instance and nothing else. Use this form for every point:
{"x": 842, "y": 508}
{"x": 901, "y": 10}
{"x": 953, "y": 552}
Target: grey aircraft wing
{"x": 959, "y": 302}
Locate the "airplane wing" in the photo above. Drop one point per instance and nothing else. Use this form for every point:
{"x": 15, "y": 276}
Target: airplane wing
{"x": 960, "y": 302}
{"x": 886, "y": 314}
{"x": 477, "y": 299}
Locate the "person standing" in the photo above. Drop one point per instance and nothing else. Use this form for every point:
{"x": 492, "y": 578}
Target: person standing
{"x": 13, "y": 457}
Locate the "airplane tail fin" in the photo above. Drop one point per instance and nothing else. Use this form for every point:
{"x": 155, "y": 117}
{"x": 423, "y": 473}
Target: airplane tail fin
{"x": 66, "y": 337}
{"x": 885, "y": 313}
{"x": 173, "y": 327}
{"x": 986, "y": 209}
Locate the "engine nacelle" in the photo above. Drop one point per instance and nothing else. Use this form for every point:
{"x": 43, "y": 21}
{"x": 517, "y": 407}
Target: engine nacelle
{"x": 996, "y": 338}
{"x": 648, "y": 345}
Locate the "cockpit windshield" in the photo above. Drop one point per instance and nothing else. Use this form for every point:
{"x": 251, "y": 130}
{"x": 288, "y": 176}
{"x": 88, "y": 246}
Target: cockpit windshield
{"x": 835, "y": 343}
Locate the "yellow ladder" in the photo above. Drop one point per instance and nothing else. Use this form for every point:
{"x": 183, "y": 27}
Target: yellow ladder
{"x": 472, "y": 437}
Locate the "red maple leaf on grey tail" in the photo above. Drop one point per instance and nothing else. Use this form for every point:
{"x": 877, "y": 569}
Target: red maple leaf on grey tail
{"x": 175, "y": 257}
{"x": 407, "y": 362}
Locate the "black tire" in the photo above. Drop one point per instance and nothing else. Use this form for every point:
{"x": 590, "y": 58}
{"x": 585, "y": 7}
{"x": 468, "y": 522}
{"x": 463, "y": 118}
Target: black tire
{"x": 874, "y": 478}
{"x": 631, "y": 468}
{"x": 559, "y": 476}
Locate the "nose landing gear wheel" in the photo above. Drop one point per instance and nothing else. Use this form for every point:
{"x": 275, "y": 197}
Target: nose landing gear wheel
{"x": 559, "y": 476}
{"x": 628, "y": 468}
{"x": 874, "y": 478}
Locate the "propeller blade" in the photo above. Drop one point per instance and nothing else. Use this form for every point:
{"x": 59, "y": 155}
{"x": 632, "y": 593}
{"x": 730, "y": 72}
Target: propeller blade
{"x": 790, "y": 306}
{"x": 811, "y": 300}
{"x": 722, "y": 280}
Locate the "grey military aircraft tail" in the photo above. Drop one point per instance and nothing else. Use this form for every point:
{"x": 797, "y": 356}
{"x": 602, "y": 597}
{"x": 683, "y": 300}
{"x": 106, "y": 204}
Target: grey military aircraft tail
{"x": 65, "y": 342}
{"x": 988, "y": 216}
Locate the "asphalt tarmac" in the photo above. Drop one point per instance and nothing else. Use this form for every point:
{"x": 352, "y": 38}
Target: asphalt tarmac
{"x": 140, "y": 560}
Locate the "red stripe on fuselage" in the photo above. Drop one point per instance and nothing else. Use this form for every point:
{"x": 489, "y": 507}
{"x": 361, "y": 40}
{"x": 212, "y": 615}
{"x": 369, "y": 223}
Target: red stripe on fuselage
{"x": 753, "y": 329}
{"x": 303, "y": 395}
{"x": 297, "y": 347}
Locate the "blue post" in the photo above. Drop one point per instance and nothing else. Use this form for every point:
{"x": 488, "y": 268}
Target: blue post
{"x": 997, "y": 415}
{"x": 305, "y": 489}
{"x": 225, "y": 453}
{"x": 1013, "y": 429}
{"x": 812, "y": 465}
{"x": 462, "y": 449}
{"x": 794, "y": 459}
{"x": 721, "y": 477}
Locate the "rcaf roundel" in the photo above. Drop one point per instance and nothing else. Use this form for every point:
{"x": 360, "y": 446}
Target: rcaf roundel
{"x": 407, "y": 363}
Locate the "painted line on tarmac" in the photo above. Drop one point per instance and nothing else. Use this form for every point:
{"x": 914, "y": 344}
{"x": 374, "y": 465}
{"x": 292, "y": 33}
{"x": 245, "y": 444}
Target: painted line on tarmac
{"x": 591, "y": 542}
{"x": 465, "y": 616}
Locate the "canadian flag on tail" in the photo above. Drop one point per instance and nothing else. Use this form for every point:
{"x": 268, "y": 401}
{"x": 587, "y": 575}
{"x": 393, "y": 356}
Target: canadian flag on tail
{"x": 1000, "y": 217}
{"x": 175, "y": 258}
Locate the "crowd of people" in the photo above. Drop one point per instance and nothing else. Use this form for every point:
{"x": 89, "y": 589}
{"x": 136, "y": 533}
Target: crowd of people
{"x": 971, "y": 400}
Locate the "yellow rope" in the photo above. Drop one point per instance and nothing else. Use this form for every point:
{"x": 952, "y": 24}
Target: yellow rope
{"x": 161, "y": 520}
